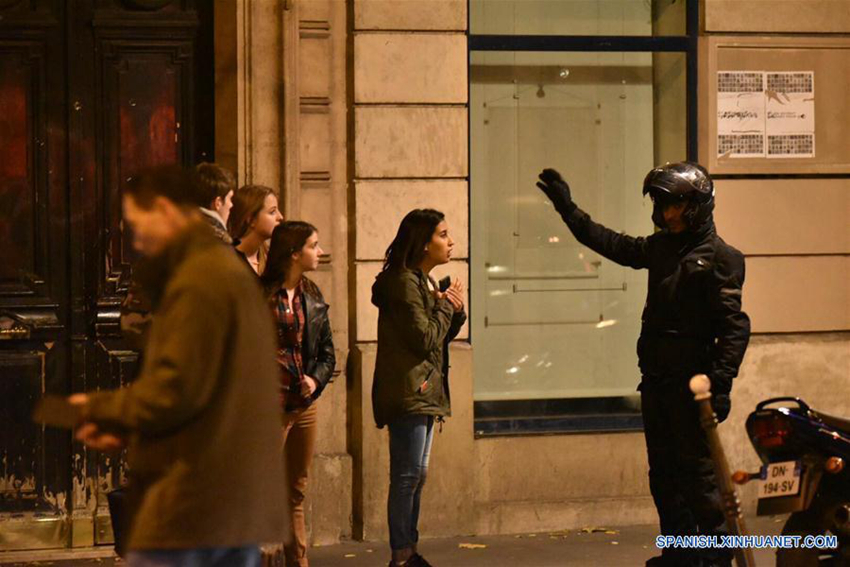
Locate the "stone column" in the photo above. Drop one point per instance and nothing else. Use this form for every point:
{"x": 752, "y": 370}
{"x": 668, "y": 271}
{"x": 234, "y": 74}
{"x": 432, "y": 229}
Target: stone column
{"x": 409, "y": 149}
{"x": 249, "y": 87}
{"x": 316, "y": 187}
{"x": 281, "y": 122}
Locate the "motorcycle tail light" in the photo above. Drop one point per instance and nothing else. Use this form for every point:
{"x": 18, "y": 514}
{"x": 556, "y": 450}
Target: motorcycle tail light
{"x": 741, "y": 477}
{"x": 771, "y": 431}
{"x": 834, "y": 465}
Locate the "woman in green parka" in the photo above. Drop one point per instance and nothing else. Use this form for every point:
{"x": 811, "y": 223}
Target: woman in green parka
{"x": 416, "y": 322}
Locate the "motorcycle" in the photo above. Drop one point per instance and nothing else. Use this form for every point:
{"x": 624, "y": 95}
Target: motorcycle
{"x": 805, "y": 455}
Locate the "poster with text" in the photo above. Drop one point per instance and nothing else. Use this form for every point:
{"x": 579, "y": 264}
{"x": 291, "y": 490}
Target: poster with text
{"x": 790, "y": 114}
{"x": 740, "y": 114}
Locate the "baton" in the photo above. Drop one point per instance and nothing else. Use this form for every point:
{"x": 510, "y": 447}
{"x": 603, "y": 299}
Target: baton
{"x": 701, "y": 387}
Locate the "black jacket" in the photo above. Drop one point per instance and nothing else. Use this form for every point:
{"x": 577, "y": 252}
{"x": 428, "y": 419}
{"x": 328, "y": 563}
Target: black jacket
{"x": 317, "y": 348}
{"x": 692, "y": 321}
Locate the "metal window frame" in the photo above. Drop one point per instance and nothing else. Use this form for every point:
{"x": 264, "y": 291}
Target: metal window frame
{"x": 590, "y": 420}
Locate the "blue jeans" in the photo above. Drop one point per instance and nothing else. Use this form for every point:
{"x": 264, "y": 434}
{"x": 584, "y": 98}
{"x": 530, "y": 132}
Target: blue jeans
{"x": 410, "y": 448}
{"x": 247, "y": 556}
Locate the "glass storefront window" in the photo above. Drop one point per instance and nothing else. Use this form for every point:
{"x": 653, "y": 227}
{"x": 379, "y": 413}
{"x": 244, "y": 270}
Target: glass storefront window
{"x": 552, "y": 320}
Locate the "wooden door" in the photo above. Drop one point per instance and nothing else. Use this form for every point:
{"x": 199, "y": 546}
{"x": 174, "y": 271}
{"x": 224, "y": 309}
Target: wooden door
{"x": 90, "y": 91}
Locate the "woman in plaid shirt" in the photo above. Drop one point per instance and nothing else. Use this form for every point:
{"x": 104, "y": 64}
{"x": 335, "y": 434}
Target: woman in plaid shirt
{"x": 306, "y": 359}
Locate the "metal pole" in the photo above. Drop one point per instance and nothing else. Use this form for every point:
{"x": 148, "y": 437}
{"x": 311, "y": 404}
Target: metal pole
{"x": 701, "y": 387}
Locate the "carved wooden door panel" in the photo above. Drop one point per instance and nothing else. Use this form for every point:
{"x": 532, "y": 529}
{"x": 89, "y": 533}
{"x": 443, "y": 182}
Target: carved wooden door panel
{"x": 90, "y": 91}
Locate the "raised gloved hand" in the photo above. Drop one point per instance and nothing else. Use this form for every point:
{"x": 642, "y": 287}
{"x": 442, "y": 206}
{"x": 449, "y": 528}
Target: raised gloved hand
{"x": 722, "y": 404}
{"x": 557, "y": 190}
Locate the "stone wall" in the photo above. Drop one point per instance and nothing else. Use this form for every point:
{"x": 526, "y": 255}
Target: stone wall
{"x": 376, "y": 93}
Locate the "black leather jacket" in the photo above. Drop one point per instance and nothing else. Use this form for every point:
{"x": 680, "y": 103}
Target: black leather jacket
{"x": 692, "y": 320}
{"x": 317, "y": 348}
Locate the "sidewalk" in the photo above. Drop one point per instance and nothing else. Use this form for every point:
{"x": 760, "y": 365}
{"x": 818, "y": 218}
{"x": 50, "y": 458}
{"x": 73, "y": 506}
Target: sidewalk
{"x": 591, "y": 547}
{"x": 614, "y": 547}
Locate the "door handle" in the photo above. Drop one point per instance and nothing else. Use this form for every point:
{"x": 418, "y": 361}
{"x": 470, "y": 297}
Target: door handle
{"x": 14, "y": 333}
{"x": 27, "y": 325}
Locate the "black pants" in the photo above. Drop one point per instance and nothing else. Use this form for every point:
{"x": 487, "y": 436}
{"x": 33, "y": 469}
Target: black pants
{"x": 681, "y": 474}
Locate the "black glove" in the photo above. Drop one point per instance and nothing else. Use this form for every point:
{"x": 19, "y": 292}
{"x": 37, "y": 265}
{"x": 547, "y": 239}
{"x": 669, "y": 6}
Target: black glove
{"x": 557, "y": 190}
{"x": 722, "y": 404}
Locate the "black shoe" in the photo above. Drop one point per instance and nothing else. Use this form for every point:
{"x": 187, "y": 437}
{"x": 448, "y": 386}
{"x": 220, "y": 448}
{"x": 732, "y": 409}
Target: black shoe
{"x": 418, "y": 561}
{"x": 682, "y": 561}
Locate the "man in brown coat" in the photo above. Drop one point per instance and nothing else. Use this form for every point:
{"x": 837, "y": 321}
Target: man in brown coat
{"x": 201, "y": 421}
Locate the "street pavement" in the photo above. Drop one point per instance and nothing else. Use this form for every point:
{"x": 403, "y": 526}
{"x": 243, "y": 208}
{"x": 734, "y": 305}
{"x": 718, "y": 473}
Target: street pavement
{"x": 591, "y": 546}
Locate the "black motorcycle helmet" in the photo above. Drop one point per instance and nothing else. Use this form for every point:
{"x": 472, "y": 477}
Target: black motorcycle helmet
{"x": 681, "y": 181}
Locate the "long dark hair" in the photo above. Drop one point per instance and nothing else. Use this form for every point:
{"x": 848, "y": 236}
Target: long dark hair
{"x": 288, "y": 238}
{"x": 248, "y": 201}
{"x": 415, "y": 231}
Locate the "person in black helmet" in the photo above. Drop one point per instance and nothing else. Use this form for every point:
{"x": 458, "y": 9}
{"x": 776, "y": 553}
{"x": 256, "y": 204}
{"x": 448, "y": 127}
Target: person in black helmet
{"x": 692, "y": 323}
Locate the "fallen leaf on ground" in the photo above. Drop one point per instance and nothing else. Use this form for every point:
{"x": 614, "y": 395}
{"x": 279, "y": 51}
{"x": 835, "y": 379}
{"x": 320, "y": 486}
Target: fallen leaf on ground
{"x": 611, "y": 532}
{"x": 350, "y": 555}
{"x": 472, "y": 546}
{"x": 593, "y": 530}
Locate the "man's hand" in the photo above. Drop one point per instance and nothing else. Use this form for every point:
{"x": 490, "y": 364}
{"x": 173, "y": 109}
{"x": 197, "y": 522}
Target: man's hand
{"x": 556, "y": 189}
{"x": 91, "y": 435}
{"x": 78, "y": 399}
{"x": 309, "y": 386}
{"x": 722, "y": 405}
{"x": 99, "y": 440}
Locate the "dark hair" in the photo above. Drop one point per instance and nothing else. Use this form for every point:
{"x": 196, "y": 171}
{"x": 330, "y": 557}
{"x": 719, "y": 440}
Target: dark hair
{"x": 288, "y": 238}
{"x": 415, "y": 231}
{"x": 214, "y": 181}
{"x": 170, "y": 181}
{"x": 247, "y": 203}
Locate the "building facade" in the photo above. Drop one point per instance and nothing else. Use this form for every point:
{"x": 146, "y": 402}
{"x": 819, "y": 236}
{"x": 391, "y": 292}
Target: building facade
{"x": 360, "y": 110}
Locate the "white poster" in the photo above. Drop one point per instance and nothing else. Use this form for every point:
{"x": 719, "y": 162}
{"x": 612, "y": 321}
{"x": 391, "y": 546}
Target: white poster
{"x": 765, "y": 114}
{"x": 740, "y": 114}
{"x": 790, "y": 114}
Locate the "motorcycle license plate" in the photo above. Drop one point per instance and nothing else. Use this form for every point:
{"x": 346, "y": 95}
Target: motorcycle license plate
{"x": 780, "y": 479}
